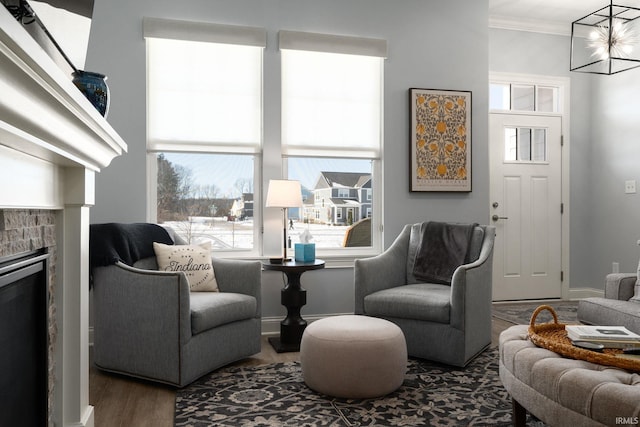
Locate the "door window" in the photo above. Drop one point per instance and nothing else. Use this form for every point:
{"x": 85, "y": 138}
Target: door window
{"x": 525, "y": 144}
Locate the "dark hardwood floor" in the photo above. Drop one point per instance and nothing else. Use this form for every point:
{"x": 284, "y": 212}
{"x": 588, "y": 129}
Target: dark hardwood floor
{"x": 124, "y": 402}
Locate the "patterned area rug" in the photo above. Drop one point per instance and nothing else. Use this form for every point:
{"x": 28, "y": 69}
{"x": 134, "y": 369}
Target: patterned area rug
{"x": 520, "y": 313}
{"x": 276, "y": 395}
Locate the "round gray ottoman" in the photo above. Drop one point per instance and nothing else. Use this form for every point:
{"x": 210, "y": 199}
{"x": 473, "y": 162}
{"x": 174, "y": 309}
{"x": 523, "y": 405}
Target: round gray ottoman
{"x": 353, "y": 357}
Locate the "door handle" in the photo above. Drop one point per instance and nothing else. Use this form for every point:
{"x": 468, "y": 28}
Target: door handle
{"x": 496, "y": 217}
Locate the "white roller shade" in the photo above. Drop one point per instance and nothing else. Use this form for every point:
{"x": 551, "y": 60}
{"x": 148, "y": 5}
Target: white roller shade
{"x": 203, "y": 95}
{"x": 331, "y": 104}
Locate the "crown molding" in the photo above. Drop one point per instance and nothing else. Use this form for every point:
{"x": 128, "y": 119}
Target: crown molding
{"x": 530, "y": 25}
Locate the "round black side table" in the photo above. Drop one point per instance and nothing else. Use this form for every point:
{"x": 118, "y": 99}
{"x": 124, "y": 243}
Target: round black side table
{"x": 293, "y": 297}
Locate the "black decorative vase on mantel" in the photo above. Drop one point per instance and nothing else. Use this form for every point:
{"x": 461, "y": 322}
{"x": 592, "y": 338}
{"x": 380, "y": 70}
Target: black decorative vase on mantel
{"x": 95, "y": 89}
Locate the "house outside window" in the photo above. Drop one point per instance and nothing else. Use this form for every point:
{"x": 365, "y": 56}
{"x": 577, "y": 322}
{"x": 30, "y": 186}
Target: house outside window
{"x": 343, "y": 190}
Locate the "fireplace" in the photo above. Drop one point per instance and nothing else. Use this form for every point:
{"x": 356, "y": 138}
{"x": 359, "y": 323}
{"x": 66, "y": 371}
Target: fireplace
{"x": 24, "y": 330}
{"x": 53, "y": 142}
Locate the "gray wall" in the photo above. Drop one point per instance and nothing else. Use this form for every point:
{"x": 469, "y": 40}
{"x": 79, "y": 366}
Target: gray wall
{"x": 615, "y": 158}
{"x": 432, "y": 44}
{"x": 603, "y": 152}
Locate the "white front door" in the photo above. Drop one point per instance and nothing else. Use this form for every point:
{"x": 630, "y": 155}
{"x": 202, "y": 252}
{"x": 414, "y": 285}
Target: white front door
{"x": 526, "y": 200}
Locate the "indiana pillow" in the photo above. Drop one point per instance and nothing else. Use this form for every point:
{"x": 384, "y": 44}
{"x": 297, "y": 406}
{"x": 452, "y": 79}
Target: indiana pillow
{"x": 193, "y": 260}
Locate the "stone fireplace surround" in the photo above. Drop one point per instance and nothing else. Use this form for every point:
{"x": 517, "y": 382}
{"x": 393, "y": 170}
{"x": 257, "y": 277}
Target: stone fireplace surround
{"x": 27, "y": 230}
{"x": 52, "y": 143}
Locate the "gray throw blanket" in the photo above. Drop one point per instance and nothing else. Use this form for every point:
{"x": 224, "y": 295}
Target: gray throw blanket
{"x": 442, "y": 248}
{"x": 128, "y": 243}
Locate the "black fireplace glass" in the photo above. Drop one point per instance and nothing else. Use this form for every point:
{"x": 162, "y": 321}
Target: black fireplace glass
{"x": 23, "y": 344}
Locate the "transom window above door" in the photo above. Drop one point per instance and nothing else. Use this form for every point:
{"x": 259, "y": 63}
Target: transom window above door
{"x": 524, "y": 97}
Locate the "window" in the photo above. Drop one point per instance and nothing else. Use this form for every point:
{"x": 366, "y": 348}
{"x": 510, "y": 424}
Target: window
{"x": 332, "y": 134}
{"x": 204, "y": 134}
{"x": 524, "y": 97}
{"x": 207, "y": 197}
{"x": 499, "y": 96}
{"x": 548, "y": 99}
{"x": 204, "y": 121}
{"x": 326, "y": 197}
{"x": 525, "y": 145}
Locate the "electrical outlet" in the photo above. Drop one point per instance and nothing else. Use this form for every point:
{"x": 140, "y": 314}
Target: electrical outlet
{"x": 630, "y": 186}
{"x": 615, "y": 267}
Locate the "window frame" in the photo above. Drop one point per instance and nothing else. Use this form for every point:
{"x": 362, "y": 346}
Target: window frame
{"x": 518, "y": 132}
{"x": 310, "y": 43}
{"x": 191, "y": 31}
{"x": 194, "y": 31}
{"x": 344, "y": 256}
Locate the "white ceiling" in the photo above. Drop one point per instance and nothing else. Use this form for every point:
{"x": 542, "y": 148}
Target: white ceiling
{"x": 547, "y": 16}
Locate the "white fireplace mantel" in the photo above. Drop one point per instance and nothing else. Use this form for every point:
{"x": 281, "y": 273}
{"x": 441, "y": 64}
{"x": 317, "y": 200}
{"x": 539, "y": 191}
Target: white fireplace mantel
{"x": 42, "y": 113}
{"x": 52, "y": 142}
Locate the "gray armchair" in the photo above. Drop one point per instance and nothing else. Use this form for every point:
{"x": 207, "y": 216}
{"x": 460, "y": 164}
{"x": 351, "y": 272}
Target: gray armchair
{"x": 448, "y": 324}
{"x": 147, "y": 323}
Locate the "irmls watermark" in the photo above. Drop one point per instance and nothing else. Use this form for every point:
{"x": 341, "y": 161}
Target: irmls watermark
{"x": 627, "y": 421}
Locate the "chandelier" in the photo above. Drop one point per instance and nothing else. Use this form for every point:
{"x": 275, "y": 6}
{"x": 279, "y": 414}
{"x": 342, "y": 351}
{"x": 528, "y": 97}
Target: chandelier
{"x": 606, "y": 41}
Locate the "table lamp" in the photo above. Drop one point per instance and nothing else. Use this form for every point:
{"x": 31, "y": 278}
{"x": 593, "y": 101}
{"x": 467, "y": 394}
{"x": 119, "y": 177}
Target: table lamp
{"x": 284, "y": 193}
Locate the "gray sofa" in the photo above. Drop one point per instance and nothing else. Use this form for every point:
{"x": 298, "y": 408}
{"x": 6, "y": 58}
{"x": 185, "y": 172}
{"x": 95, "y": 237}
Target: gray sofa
{"x": 449, "y": 324}
{"x": 147, "y": 323}
{"x": 617, "y": 306}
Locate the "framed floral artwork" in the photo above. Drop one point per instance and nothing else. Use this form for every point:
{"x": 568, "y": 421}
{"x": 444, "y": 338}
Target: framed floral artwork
{"x": 440, "y": 140}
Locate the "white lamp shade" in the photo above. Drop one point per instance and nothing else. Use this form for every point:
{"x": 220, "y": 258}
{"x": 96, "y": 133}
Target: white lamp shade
{"x": 284, "y": 193}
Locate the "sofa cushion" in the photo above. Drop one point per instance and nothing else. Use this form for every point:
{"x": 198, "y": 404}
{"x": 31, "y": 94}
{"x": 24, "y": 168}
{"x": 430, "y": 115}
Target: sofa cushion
{"x": 605, "y": 311}
{"x": 193, "y": 260}
{"x": 421, "y": 301}
{"x": 212, "y": 309}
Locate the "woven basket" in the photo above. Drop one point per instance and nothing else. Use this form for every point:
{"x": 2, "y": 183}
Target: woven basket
{"x": 553, "y": 336}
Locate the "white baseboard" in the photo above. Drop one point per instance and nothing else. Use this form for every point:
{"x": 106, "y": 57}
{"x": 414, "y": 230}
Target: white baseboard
{"x": 271, "y": 325}
{"x": 574, "y": 295}
{"x": 580, "y": 293}
{"x": 86, "y": 421}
